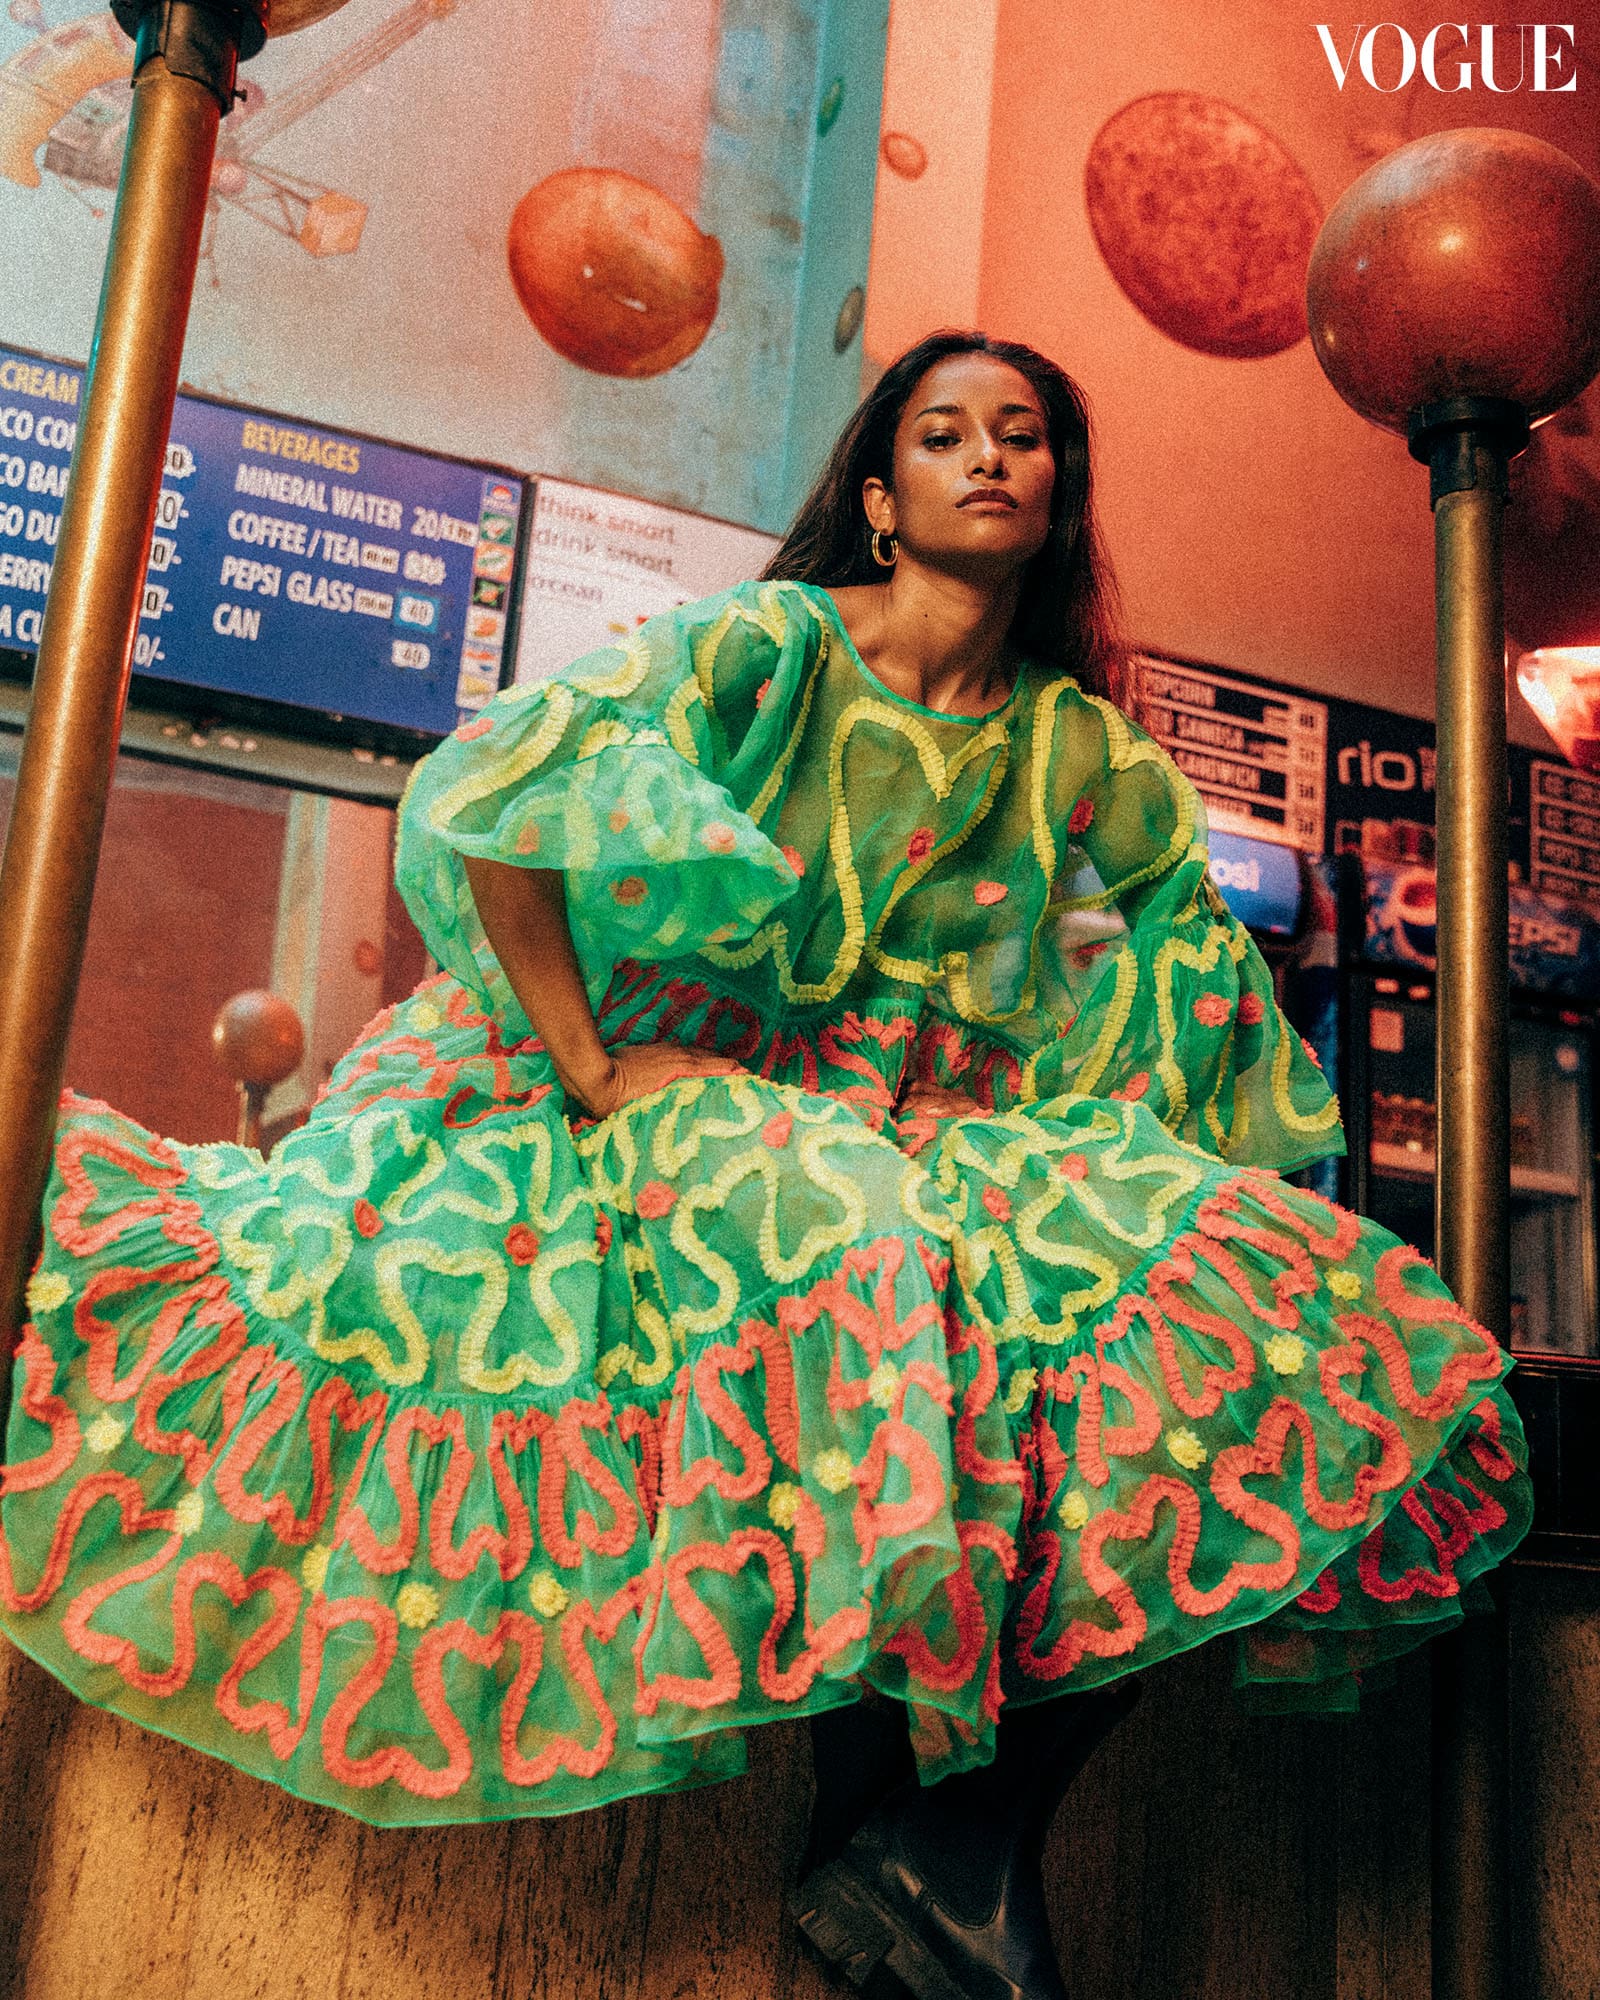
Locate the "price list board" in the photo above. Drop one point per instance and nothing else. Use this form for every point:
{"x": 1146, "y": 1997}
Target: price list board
{"x": 291, "y": 563}
{"x": 1257, "y": 754}
{"x": 1564, "y": 832}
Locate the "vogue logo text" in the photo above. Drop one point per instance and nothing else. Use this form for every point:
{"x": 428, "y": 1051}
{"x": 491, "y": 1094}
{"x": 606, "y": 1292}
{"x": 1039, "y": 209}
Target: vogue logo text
{"x": 1457, "y": 56}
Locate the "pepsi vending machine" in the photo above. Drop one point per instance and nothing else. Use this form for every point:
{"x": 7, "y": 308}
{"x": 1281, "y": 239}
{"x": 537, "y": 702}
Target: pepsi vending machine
{"x": 1390, "y": 1117}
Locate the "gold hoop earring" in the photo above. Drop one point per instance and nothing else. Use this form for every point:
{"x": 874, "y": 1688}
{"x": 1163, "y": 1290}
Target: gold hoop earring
{"x": 884, "y": 561}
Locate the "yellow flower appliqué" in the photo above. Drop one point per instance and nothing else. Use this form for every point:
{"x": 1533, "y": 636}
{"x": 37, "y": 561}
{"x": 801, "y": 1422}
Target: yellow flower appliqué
{"x": 1187, "y": 1449}
{"x": 416, "y": 1605}
{"x": 1074, "y": 1511}
{"x": 105, "y": 1434}
{"x": 548, "y": 1595}
{"x": 833, "y": 1471}
{"x": 1344, "y": 1284}
{"x": 783, "y": 1504}
{"x": 1286, "y": 1355}
{"x": 46, "y": 1291}
{"x": 425, "y": 1017}
{"x": 882, "y": 1386}
{"x": 189, "y": 1513}
{"x": 314, "y": 1565}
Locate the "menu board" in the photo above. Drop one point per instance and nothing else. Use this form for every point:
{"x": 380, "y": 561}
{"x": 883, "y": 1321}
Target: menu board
{"x": 1564, "y": 832}
{"x": 1257, "y": 754}
{"x": 290, "y": 563}
{"x": 599, "y": 564}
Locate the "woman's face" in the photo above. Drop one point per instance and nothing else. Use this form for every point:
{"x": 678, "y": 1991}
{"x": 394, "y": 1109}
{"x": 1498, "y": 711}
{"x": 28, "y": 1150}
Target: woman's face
{"x": 973, "y": 469}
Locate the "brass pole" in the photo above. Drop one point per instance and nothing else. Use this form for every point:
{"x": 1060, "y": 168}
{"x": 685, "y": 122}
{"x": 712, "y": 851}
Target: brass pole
{"x": 1474, "y": 924}
{"x": 86, "y": 645}
{"x": 1471, "y": 1716}
{"x": 252, "y": 1097}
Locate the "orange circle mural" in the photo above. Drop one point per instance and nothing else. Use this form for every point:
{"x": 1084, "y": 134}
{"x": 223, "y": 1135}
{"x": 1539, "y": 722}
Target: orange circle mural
{"x": 1206, "y": 221}
{"x": 613, "y": 274}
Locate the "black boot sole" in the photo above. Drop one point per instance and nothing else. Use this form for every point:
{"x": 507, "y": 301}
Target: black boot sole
{"x": 860, "y": 1936}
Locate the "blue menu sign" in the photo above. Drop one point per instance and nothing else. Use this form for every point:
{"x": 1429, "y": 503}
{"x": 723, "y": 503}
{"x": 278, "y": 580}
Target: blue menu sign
{"x": 291, "y": 563}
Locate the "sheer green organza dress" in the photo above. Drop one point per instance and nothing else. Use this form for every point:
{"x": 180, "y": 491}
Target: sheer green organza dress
{"x": 469, "y": 1458}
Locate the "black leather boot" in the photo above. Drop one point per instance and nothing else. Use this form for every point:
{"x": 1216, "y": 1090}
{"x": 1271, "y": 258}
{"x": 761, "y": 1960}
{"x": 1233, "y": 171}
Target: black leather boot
{"x": 942, "y": 1886}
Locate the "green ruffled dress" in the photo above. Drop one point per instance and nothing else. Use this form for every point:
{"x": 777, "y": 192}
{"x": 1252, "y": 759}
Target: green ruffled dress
{"x": 470, "y": 1458}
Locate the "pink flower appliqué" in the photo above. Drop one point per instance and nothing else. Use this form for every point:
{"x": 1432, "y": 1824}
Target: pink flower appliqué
{"x": 1074, "y": 1167}
{"x": 631, "y": 889}
{"x": 998, "y": 1204}
{"x": 795, "y": 859}
{"x": 1134, "y": 1088}
{"x": 528, "y": 839}
{"x": 602, "y": 1234}
{"x": 990, "y": 892}
{"x": 653, "y": 1200}
{"x": 720, "y": 838}
{"x": 470, "y": 731}
{"x": 1082, "y": 817}
{"x": 920, "y": 845}
{"x": 1251, "y": 1010}
{"x": 1211, "y": 1010}
{"x": 617, "y": 818}
{"x": 1311, "y": 1052}
{"x": 775, "y": 1133}
{"x": 366, "y": 1217}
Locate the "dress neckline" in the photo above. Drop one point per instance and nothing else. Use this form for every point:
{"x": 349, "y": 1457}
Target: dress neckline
{"x": 836, "y": 620}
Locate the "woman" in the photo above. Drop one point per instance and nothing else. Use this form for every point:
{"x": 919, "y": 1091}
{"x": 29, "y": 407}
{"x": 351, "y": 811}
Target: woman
{"x": 820, "y": 1236}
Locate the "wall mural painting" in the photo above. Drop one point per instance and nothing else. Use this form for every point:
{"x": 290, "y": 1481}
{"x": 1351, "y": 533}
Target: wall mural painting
{"x": 1206, "y": 221}
{"x": 462, "y": 224}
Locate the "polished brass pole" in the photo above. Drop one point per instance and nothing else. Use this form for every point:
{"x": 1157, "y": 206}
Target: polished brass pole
{"x": 1473, "y": 928}
{"x": 1468, "y": 445}
{"x": 92, "y": 613}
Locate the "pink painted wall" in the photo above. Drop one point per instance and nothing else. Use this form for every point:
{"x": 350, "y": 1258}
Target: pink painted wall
{"x": 1254, "y": 519}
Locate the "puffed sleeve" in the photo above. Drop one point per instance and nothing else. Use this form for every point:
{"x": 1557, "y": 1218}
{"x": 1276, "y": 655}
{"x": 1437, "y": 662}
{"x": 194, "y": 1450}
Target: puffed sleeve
{"x": 1172, "y": 1004}
{"x": 618, "y": 773}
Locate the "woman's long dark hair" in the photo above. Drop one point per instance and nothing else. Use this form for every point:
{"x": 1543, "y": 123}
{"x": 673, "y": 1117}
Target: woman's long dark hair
{"x": 1067, "y": 615}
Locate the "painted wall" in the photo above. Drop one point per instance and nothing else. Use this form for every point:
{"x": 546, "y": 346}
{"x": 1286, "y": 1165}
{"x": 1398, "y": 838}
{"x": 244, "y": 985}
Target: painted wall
{"x": 1255, "y": 520}
{"x": 183, "y": 918}
{"x": 605, "y": 239}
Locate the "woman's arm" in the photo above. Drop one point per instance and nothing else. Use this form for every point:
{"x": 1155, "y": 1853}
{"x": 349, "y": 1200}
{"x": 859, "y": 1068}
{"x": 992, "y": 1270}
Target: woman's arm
{"x": 524, "y": 917}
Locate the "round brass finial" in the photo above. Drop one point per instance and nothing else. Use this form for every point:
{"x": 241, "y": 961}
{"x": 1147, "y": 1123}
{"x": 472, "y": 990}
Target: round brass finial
{"x": 257, "y": 1038}
{"x": 1465, "y": 264}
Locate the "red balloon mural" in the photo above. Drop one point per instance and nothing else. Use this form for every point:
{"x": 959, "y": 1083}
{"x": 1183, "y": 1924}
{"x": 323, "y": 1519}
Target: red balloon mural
{"x": 614, "y": 275}
{"x": 904, "y": 155}
{"x": 1206, "y": 221}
